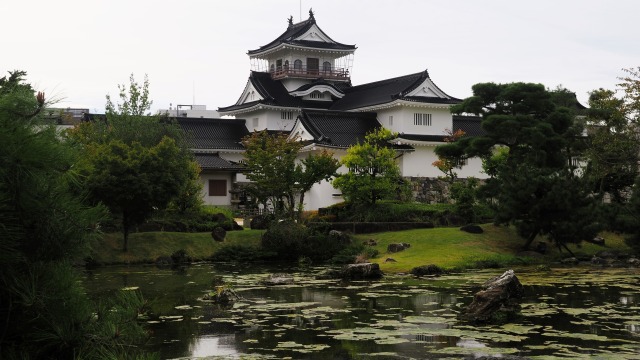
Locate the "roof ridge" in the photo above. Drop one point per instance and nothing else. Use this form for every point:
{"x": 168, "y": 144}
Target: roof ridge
{"x": 384, "y": 81}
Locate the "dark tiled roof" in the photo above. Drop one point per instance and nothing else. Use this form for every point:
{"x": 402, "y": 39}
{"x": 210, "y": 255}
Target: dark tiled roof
{"x": 338, "y": 128}
{"x": 384, "y": 91}
{"x": 296, "y": 30}
{"x": 418, "y": 137}
{"x": 318, "y": 82}
{"x": 215, "y": 162}
{"x": 214, "y": 133}
{"x": 471, "y": 125}
{"x": 274, "y": 94}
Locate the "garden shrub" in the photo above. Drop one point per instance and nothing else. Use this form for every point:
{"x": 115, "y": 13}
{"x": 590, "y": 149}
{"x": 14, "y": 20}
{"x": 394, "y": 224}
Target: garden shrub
{"x": 291, "y": 241}
{"x": 242, "y": 253}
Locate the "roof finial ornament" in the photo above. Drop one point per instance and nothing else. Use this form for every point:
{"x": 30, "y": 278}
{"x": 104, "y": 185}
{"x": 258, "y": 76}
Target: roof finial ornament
{"x": 291, "y": 20}
{"x": 311, "y": 14}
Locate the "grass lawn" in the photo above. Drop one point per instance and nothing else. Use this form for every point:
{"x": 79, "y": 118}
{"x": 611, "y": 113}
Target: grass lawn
{"x": 451, "y": 248}
{"x": 148, "y": 246}
{"x": 448, "y": 248}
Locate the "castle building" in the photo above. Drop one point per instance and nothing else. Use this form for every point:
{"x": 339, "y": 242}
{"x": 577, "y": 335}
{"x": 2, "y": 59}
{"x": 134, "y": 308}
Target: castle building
{"x": 300, "y": 83}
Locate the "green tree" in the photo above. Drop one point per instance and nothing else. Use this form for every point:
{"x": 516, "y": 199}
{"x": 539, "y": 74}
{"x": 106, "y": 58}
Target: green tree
{"x": 536, "y": 186}
{"x": 136, "y": 163}
{"x": 276, "y": 175}
{"x": 448, "y": 164}
{"x": 45, "y": 226}
{"x": 614, "y": 146}
{"x": 372, "y": 173}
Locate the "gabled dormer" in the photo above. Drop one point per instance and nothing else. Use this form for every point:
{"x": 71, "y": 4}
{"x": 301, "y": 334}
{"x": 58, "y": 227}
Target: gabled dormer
{"x": 303, "y": 52}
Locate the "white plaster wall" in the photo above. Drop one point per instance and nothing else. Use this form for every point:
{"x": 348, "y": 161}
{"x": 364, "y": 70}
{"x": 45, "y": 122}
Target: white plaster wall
{"x": 418, "y": 163}
{"x": 249, "y": 116}
{"x": 216, "y": 200}
{"x": 294, "y": 83}
{"x": 441, "y": 120}
{"x": 472, "y": 169}
{"x": 273, "y": 120}
{"x": 322, "y": 194}
{"x": 403, "y": 120}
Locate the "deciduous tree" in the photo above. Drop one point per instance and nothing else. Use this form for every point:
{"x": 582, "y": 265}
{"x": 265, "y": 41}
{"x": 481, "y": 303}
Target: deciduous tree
{"x": 276, "y": 174}
{"x": 136, "y": 163}
{"x": 372, "y": 173}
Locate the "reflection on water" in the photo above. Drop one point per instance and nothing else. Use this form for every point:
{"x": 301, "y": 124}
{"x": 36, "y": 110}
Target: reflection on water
{"x": 585, "y": 312}
{"x": 210, "y": 345}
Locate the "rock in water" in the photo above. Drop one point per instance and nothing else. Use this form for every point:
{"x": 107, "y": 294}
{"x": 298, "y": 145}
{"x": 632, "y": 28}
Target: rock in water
{"x": 278, "y": 279}
{"x": 500, "y": 298}
{"x": 222, "y": 295}
{"x": 361, "y": 271}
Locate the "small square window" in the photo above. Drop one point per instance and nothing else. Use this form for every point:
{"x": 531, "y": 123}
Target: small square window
{"x": 217, "y": 187}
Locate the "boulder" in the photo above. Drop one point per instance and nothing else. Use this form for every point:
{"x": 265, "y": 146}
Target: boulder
{"x": 360, "y": 271}
{"x": 394, "y": 248}
{"x": 277, "y": 279}
{"x": 472, "y": 229}
{"x": 370, "y": 242}
{"x": 633, "y": 261}
{"x": 218, "y": 233}
{"x": 430, "y": 269}
{"x": 498, "y": 299}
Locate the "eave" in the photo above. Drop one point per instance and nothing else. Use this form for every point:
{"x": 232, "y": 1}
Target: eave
{"x": 404, "y": 103}
{"x": 283, "y": 47}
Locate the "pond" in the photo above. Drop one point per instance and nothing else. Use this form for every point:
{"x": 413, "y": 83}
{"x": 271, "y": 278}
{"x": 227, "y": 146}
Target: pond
{"x": 582, "y": 312}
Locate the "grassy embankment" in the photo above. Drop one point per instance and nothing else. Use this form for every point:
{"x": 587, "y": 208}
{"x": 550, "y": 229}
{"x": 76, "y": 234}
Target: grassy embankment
{"x": 448, "y": 248}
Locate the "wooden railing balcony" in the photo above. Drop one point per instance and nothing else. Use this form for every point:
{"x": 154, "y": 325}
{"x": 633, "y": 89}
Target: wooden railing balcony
{"x": 304, "y": 72}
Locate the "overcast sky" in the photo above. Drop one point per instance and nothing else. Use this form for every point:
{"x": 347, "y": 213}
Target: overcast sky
{"x": 80, "y": 50}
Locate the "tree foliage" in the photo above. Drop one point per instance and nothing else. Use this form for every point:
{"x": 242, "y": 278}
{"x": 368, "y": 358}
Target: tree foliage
{"x": 45, "y": 226}
{"x": 534, "y": 184}
{"x": 372, "y": 172}
{"x": 136, "y": 163}
{"x": 277, "y": 176}
{"x": 448, "y": 164}
{"x": 614, "y": 146}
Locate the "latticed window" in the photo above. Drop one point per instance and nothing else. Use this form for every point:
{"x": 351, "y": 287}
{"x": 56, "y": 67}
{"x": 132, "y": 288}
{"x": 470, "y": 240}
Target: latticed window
{"x": 217, "y": 187}
{"x": 286, "y": 115}
{"x": 422, "y": 119}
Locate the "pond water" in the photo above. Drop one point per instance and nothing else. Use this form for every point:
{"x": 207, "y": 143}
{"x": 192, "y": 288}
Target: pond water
{"x": 567, "y": 313}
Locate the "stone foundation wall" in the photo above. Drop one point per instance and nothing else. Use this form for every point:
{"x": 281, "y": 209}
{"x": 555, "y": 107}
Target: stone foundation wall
{"x": 431, "y": 190}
